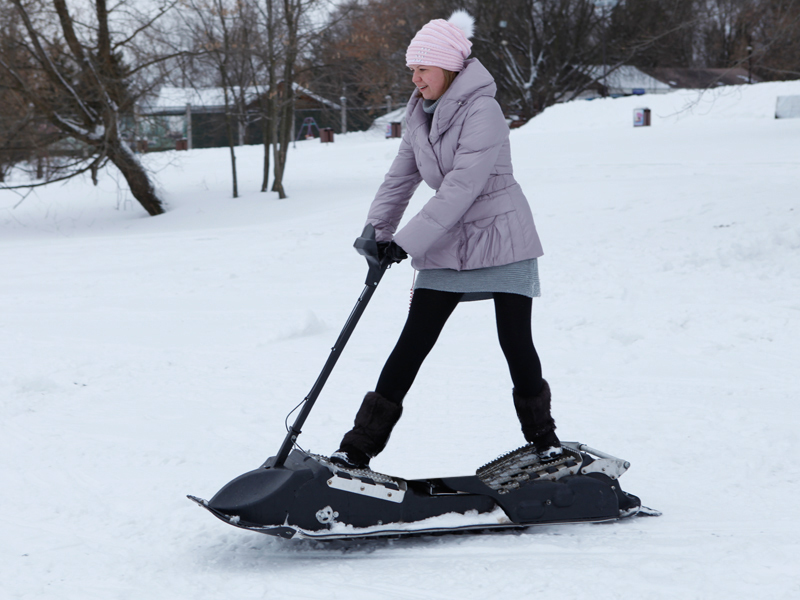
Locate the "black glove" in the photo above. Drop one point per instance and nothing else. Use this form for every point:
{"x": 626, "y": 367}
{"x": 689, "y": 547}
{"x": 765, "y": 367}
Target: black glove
{"x": 391, "y": 250}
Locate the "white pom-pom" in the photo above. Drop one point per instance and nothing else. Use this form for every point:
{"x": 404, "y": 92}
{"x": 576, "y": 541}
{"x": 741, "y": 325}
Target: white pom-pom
{"x": 464, "y": 21}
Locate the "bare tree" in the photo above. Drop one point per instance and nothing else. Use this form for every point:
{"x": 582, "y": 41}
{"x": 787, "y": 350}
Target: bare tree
{"x": 654, "y": 34}
{"x": 271, "y": 56}
{"x": 254, "y": 47}
{"x": 268, "y": 56}
{"x": 293, "y": 12}
{"x": 17, "y": 119}
{"x": 287, "y": 29}
{"x": 538, "y": 50}
{"x": 81, "y": 85}
{"x": 775, "y": 45}
{"x": 223, "y": 36}
{"x": 363, "y": 50}
{"x": 761, "y": 35}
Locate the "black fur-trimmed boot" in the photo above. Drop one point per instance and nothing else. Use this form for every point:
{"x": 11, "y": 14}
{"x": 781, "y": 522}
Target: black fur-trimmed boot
{"x": 373, "y": 425}
{"x": 538, "y": 426}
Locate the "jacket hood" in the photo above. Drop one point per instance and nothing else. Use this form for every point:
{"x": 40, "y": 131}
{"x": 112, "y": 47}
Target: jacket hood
{"x": 471, "y": 83}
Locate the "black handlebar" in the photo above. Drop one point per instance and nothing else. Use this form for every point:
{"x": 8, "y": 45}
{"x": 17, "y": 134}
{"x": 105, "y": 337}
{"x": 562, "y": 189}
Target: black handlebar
{"x": 368, "y": 248}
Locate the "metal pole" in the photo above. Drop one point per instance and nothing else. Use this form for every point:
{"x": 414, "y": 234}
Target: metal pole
{"x": 336, "y": 352}
{"x": 343, "y": 102}
{"x": 188, "y": 125}
{"x": 367, "y": 247}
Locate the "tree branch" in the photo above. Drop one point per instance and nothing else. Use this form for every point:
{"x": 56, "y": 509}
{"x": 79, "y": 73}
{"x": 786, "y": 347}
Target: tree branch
{"x": 94, "y": 164}
{"x": 47, "y": 63}
{"x": 162, "y": 11}
{"x": 68, "y": 28}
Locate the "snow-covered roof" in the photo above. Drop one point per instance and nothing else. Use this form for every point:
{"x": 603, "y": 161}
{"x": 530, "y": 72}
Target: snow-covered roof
{"x": 626, "y": 79}
{"x": 396, "y": 116}
{"x": 171, "y": 99}
{"x": 176, "y": 98}
{"x": 310, "y": 94}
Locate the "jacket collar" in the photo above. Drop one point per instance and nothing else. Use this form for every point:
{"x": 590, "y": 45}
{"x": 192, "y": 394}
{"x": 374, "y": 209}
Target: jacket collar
{"x": 472, "y": 82}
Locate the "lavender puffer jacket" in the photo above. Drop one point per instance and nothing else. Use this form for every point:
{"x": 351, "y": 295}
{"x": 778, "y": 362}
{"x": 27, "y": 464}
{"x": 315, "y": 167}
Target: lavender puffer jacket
{"x": 479, "y": 216}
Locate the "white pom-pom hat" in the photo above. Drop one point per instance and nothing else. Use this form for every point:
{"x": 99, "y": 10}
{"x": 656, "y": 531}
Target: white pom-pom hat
{"x": 443, "y": 43}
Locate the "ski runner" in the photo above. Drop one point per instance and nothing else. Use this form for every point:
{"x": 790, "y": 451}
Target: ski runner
{"x": 475, "y": 239}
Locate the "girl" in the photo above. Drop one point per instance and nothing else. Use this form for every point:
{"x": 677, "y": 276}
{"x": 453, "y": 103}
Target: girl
{"x": 474, "y": 239}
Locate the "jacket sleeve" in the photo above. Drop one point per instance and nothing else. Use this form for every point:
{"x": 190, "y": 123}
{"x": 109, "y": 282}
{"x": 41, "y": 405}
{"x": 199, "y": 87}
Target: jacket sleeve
{"x": 395, "y": 192}
{"x": 482, "y": 136}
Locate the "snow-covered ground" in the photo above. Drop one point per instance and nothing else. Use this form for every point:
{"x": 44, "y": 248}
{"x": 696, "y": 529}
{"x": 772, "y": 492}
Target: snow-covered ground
{"x": 147, "y": 358}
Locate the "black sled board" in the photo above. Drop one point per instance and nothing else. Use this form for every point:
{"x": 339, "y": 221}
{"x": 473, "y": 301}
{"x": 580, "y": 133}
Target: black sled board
{"x": 309, "y": 498}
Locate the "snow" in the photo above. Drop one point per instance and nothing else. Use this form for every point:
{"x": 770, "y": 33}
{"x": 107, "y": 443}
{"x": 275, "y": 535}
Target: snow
{"x": 446, "y": 521}
{"x": 144, "y": 358}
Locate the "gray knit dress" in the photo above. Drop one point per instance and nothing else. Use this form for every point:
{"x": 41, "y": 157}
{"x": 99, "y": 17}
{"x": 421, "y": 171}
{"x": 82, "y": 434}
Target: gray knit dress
{"x": 520, "y": 277}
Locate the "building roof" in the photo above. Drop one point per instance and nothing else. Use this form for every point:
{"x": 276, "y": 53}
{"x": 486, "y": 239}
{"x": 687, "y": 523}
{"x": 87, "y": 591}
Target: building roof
{"x": 301, "y": 91}
{"x": 626, "y": 78}
{"x": 173, "y": 100}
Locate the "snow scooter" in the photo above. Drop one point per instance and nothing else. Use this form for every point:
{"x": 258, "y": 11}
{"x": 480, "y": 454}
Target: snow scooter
{"x": 296, "y": 494}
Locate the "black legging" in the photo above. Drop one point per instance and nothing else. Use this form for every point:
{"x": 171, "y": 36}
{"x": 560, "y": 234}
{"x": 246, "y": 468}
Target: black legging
{"x": 429, "y": 312}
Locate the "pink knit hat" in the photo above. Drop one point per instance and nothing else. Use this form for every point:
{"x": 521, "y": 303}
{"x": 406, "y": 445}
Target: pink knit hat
{"x": 443, "y": 43}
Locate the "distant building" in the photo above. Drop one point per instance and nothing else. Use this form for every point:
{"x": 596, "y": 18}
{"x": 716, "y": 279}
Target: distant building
{"x": 631, "y": 81}
{"x": 622, "y": 81}
{"x": 175, "y": 114}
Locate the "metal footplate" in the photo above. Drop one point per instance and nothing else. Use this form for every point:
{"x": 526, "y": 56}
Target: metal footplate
{"x": 601, "y": 462}
{"x": 368, "y": 473}
{"x": 364, "y": 482}
{"x": 511, "y": 470}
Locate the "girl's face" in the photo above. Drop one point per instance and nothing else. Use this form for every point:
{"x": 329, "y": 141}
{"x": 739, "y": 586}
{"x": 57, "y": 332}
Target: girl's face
{"x": 430, "y": 81}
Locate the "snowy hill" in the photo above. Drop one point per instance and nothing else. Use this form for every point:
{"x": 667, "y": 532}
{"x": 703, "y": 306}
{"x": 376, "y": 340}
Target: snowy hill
{"x": 147, "y": 358}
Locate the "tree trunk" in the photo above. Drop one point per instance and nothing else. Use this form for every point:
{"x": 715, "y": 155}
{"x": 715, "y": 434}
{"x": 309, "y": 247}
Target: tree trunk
{"x": 292, "y": 11}
{"x": 277, "y": 182}
{"x": 132, "y": 170}
{"x": 266, "y": 131}
{"x": 280, "y": 145}
{"x": 231, "y": 144}
{"x": 268, "y": 102}
{"x": 285, "y": 131}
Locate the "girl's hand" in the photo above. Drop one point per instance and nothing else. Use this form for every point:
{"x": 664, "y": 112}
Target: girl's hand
{"x": 391, "y": 250}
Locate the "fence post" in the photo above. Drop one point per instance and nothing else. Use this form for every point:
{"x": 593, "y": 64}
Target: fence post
{"x": 188, "y": 125}
{"x": 343, "y": 101}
